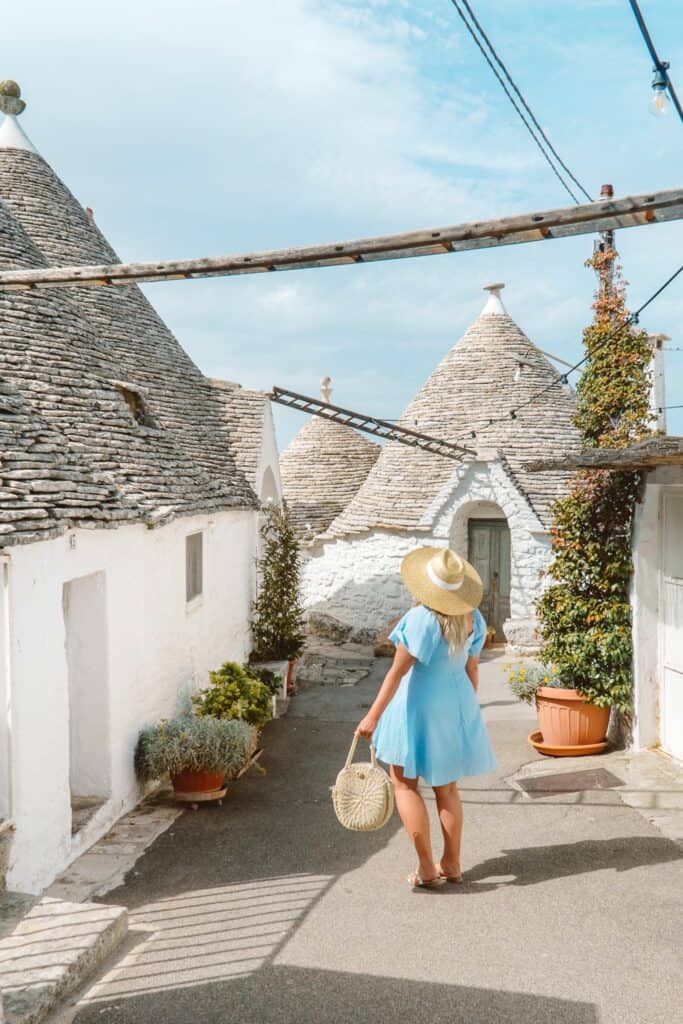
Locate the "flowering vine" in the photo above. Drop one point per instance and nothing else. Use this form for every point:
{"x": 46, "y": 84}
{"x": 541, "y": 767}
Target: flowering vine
{"x": 585, "y": 613}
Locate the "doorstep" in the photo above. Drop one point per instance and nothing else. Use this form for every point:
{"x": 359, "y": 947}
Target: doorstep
{"x": 49, "y": 947}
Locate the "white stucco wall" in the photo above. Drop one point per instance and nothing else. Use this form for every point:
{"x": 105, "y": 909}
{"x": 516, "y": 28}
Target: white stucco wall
{"x": 156, "y": 646}
{"x": 357, "y": 579}
{"x": 646, "y": 614}
{"x": 268, "y": 481}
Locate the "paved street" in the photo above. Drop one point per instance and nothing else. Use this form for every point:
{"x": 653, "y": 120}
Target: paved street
{"x": 264, "y": 910}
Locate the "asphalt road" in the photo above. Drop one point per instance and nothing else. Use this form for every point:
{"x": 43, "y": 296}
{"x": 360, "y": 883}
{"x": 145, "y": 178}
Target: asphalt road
{"x": 265, "y": 911}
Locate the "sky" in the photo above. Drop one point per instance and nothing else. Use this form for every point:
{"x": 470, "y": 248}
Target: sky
{"x": 229, "y": 126}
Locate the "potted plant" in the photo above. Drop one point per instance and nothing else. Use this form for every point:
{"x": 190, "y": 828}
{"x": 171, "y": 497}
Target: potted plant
{"x": 199, "y": 753}
{"x": 277, "y": 625}
{"x": 568, "y": 726}
{"x": 276, "y": 683}
{"x": 585, "y": 613}
{"x": 234, "y": 694}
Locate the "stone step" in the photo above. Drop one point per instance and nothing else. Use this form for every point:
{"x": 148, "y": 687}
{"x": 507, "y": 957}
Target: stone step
{"x": 48, "y": 947}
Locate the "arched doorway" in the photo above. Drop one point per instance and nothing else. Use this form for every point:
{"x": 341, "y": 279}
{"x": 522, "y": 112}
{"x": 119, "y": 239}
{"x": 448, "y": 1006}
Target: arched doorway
{"x": 481, "y": 530}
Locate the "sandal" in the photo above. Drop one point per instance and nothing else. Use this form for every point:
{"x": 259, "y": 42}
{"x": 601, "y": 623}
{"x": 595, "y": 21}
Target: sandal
{"x": 454, "y": 879}
{"x": 419, "y": 883}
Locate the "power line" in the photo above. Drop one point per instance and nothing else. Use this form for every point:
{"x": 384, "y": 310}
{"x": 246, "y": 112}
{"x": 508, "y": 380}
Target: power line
{"x": 514, "y": 103}
{"x": 660, "y": 66}
{"x": 562, "y": 378}
{"x": 522, "y": 100}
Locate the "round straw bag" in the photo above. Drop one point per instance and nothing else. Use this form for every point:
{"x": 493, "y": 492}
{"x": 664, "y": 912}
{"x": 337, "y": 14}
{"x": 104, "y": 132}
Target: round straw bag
{"x": 363, "y": 796}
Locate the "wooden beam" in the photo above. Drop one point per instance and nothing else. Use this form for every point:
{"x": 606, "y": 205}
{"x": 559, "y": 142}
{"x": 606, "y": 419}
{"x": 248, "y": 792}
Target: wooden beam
{"x": 648, "y": 454}
{"x": 606, "y": 215}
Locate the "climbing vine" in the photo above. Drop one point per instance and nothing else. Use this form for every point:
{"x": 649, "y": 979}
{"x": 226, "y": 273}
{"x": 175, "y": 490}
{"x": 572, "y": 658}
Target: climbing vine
{"x": 585, "y": 613}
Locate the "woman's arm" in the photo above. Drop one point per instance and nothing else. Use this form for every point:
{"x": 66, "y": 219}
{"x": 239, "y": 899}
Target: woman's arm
{"x": 472, "y": 669}
{"x": 403, "y": 661}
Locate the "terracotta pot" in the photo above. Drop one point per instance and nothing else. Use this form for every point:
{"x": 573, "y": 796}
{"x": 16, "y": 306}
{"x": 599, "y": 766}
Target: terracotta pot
{"x": 190, "y": 781}
{"x": 567, "y": 720}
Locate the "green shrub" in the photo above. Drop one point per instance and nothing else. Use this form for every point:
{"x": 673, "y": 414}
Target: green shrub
{"x": 233, "y": 693}
{"x": 201, "y": 744}
{"x": 277, "y": 625}
{"x": 270, "y": 679}
{"x": 526, "y": 680}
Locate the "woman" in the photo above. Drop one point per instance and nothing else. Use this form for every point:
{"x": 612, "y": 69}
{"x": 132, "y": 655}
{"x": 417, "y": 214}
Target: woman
{"x": 425, "y": 721}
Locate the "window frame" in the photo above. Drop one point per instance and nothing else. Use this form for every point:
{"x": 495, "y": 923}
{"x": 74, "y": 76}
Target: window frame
{"x": 194, "y": 568}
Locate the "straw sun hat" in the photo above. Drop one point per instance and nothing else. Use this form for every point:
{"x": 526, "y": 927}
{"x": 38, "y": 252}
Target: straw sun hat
{"x": 442, "y": 580}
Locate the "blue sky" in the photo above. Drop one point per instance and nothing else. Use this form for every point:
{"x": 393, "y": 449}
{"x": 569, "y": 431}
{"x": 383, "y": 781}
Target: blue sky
{"x": 224, "y": 126}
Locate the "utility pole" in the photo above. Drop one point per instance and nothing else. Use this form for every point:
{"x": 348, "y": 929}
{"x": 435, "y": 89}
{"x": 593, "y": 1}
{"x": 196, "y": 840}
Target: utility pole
{"x": 605, "y": 244}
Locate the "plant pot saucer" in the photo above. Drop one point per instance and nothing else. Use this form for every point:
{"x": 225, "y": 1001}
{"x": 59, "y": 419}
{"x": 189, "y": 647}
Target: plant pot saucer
{"x": 197, "y": 798}
{"x": 555, "y": 750}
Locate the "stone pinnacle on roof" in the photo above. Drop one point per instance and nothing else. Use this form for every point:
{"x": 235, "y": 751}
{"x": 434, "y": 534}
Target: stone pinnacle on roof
{"x": 12, "y": 135}
{"x": 494, "y": 305}
{"x": 326, "y": 389}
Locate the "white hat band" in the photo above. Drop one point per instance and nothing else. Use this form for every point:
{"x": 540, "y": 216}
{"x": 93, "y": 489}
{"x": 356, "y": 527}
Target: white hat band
{"x": 441, "y": 584}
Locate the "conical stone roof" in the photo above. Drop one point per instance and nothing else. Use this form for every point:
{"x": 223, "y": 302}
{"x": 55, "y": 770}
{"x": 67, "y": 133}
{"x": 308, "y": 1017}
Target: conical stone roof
{"x": 321, "y": 471}
{"x": 492, "y": 369}
{"x": 71, "y": 353}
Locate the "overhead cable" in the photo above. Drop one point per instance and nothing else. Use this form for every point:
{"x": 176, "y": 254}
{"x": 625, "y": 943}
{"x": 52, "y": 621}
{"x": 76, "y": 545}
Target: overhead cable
{"x": 541, "y": 142}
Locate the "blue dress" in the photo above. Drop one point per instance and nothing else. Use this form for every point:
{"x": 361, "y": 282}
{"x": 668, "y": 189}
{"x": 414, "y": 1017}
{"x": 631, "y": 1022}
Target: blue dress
{"x": 433, "y": 726}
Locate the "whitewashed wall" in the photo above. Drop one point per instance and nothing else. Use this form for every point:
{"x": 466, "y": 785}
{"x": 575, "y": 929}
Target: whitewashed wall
{"x": 357, "y": 579}
{"x": 268, "y": 482}
{"x": 157, "y": 645}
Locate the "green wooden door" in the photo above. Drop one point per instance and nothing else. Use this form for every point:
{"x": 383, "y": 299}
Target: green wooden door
{"x": 489, "y": 553}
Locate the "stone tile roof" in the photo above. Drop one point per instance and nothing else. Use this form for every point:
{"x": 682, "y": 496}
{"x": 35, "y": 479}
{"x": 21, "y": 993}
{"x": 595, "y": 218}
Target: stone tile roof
{"x": 321, "y": 471}
{"x": 243, "y": 413}
{"x": 77, "y": 358}
{"x": 473, "y": 383}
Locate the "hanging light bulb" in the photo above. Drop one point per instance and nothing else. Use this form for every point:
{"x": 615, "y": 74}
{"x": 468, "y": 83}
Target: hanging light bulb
{"x": 659, "y": 101}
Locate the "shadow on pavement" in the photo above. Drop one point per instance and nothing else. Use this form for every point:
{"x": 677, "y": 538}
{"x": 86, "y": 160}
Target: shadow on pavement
{"x": 534, "y": 864}
{"x": 307, "y": 996}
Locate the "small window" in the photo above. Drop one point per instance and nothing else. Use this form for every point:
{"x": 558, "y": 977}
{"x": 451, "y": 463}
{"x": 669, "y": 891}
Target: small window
{"x": 136, "y": 405}
{"x": 194, "y": 566}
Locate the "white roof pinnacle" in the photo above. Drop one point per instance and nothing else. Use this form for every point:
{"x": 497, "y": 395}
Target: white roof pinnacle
{"x": 326, "y": 389}
{"x": 494, "y": 305}
{"x": 12, "y": 135}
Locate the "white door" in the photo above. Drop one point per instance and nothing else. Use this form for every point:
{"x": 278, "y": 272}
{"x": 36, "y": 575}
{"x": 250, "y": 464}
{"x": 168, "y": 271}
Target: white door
{"x": 672, "y": 624}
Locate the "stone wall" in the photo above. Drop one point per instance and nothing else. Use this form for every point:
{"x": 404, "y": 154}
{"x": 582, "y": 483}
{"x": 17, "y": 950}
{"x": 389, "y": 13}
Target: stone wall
{"x": 356, "y": 579}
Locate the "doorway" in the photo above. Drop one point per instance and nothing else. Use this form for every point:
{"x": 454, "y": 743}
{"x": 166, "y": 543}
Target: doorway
{"x": 488, "y": 546}
{"x": 85, "y": 625}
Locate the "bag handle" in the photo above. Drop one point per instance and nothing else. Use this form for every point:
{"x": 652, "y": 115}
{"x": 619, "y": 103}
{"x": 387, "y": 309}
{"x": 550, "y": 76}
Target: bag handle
{"x": 352, "y": 752}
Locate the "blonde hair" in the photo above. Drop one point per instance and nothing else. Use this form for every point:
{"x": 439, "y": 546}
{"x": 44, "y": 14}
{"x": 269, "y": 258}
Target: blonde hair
{"x": 455, "y": 629}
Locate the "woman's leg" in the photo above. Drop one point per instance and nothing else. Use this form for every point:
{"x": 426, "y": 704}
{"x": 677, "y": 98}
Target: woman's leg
{"x": 415, "y": 818}
{"x": 450, "y": 815}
